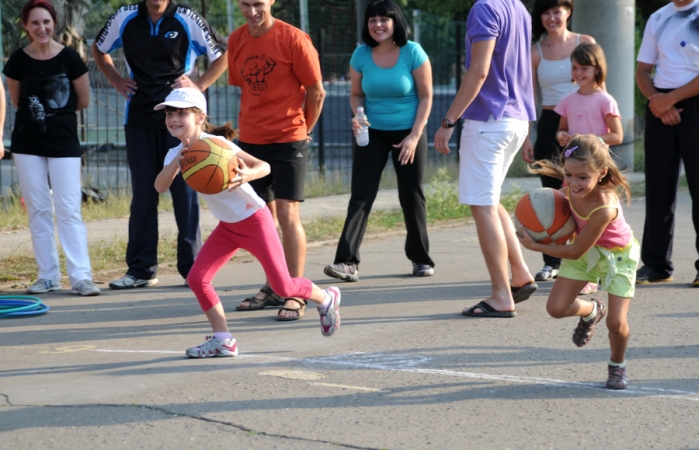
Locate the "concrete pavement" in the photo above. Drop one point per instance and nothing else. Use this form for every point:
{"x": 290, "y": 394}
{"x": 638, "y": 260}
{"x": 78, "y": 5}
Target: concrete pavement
{"x": 405, "y": 370}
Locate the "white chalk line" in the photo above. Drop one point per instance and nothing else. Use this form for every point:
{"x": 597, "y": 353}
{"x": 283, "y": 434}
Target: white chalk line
{"x": 336, "y": 360}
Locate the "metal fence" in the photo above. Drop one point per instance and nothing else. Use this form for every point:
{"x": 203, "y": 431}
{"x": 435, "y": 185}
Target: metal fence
{"x": 101, "y": 129}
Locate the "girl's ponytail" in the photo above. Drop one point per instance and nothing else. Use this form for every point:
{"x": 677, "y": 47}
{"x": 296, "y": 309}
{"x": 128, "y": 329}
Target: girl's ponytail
{"x": 227, "y": 131}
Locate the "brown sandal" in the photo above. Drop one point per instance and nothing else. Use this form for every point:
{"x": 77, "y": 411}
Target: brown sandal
{"x": 301, "y": 311}
{"x": 255, "y": 304}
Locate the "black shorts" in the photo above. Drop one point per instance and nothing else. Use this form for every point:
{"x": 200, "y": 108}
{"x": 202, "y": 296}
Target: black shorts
{"x": 289, "y": 164}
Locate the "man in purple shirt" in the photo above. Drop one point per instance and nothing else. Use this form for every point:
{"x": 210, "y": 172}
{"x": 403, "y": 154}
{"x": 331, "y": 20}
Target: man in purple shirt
{"x": 496, "y": 101}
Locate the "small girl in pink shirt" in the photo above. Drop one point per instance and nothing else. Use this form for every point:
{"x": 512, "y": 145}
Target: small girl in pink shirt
{"x": 589, "y": 110}
{"x": 604, "y": 247}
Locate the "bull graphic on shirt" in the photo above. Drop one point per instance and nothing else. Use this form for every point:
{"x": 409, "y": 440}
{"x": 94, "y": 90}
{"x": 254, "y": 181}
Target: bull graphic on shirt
{"x": 256, "y": 70}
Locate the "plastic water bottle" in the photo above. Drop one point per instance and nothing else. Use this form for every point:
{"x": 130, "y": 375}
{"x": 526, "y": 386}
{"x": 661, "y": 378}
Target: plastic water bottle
{"x": 692, "y": 51}
{"x": 363, "y": 134}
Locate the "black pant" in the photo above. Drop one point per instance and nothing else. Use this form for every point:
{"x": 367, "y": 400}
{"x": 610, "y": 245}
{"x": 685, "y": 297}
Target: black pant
{"x": 145, "y": 151}
{"x": 665, "y": 146}
{"x": 546, "y": 147}
{"x": 367, "y": 167}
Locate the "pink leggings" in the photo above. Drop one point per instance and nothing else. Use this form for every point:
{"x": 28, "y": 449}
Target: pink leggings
{"x": 256, "y": 234}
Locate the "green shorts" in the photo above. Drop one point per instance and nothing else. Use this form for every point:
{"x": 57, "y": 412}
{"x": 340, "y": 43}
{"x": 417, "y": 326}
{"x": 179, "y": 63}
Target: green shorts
{"x": 615, "y": 270}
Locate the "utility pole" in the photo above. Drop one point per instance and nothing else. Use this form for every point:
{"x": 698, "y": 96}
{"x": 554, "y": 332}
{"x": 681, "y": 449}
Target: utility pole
{"x": 611, "y": 23}
{"x": 303, "y": 12}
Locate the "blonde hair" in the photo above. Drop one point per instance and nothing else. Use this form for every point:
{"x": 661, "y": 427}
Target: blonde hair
{"x": 589, "y": 149}
{"x": 226, "y": 130}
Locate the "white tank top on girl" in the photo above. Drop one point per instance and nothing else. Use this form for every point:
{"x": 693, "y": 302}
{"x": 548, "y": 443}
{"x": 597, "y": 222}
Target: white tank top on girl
{"x": 231, "y": 207}
{"x": 554, "y": 78}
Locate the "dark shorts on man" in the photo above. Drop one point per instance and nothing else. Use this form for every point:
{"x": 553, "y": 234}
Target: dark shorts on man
{"x": 288, "y": 163}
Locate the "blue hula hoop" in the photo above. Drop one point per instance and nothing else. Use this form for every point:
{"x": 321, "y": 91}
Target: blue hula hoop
{"x": 21, "y": 306}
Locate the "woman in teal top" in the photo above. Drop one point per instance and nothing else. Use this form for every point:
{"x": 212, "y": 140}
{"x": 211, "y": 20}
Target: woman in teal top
{"x": 392, "y": 80}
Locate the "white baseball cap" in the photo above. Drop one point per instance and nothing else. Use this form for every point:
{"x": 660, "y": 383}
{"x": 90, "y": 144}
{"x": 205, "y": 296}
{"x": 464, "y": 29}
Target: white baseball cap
{"x": 184, "y": 98}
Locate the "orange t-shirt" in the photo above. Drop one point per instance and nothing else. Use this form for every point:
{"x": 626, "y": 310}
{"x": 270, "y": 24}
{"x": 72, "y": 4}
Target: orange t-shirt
{"x": 272, "y": 71}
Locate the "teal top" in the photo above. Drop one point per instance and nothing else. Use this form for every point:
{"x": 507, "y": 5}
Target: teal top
{"x": 391, "y": 100}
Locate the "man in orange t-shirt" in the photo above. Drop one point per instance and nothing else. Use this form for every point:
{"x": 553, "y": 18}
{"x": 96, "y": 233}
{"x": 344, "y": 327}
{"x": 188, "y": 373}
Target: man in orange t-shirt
{"x": 278, "y": 71}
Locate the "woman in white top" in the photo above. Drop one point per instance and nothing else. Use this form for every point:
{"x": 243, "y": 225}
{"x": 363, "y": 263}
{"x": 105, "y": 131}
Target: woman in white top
{"x": 552, "y": 46}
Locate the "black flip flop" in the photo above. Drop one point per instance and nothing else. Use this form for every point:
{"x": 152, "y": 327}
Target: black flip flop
{"x": 487, "y": 312}
{"x": 520, "y": 294}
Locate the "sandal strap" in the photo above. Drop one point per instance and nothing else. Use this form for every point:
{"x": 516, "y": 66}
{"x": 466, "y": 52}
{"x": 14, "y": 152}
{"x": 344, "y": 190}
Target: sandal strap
{"x": 302, "y": 304}
{"x": 270, "y": 293}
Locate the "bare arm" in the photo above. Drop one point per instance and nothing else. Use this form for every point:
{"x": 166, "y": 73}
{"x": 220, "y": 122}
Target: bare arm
{"x": 528, "y": 146}
{"x": 315, "y": 96}
{"x": 644, "y": 81}
{"x": 660, "y": 103}
{"x": 423, "y": 84}
{"x": 562, "y": 135}
{"x": 169, "y": 172}
{"x": 356, "y": 94}
{"x": 82, "y": 88}
{"x": 125, "y": 86}
{"x": 206, "y": 79}
{"x": 481, "y": 55}
{"x": 616, "y": 131}
{"x": 356, "y": 97}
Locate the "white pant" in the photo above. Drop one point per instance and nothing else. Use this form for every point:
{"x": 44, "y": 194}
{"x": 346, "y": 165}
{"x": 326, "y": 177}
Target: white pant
{"x": 487, "y": 151}
{"x": 34, "y": 173}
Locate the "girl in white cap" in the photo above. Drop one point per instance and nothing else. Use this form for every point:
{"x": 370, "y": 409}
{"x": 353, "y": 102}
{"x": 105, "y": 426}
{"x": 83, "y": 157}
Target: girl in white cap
{"x": 245, "y": 222}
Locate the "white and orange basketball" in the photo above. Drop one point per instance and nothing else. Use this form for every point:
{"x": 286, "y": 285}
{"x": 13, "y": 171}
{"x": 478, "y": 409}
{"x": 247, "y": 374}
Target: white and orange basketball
{"x": 207, "y": 165}
{"x": 545, "y": 214}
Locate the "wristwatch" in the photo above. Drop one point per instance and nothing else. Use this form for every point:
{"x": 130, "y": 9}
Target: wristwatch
{"x": 446, "y": 123}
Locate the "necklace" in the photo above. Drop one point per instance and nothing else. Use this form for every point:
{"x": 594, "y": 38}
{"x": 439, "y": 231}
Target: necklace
{"x": 557, "y": 50}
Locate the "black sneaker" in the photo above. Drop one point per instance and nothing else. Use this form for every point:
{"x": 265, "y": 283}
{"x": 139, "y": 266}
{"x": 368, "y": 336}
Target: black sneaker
{"x": 696, "y": 281}
{"x": 647, "y": 275}
{"x": 342, "y": 271}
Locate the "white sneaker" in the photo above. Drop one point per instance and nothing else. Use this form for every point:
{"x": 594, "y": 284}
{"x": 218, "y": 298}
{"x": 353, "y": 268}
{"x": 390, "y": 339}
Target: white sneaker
{"x": 330, "y": 318}
{"x": 85, "y": 287}
{"x": 42, "y": 286}
{"x": 129, "y": 282}
{"x": 214, "y": 347}
{"x": 548, "y": 273}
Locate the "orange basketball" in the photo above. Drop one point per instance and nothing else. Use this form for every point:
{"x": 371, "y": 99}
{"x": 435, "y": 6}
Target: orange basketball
{"x": 207, "y": 165}
{"x": 545, "y": 214}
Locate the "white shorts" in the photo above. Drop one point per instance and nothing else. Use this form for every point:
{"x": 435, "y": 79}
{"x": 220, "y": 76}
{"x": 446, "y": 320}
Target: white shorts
{"x": 487, "y": 151}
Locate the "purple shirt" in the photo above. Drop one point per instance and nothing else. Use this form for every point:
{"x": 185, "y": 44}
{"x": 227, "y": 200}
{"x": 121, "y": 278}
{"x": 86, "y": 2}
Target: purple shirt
{"x": 507, "y": 91}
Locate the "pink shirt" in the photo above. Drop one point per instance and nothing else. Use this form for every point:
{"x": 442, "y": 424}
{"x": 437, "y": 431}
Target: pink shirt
{"x": 617, "y": 234}
{"x": 586, "y": 113}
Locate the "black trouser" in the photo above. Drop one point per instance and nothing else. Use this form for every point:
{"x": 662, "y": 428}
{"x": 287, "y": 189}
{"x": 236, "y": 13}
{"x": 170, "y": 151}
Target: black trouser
{"x": 546, "y": 147}
{"x": 665, "y": 146}
{"x": 367, "y": 166}
{"x": 145, "y": 151}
